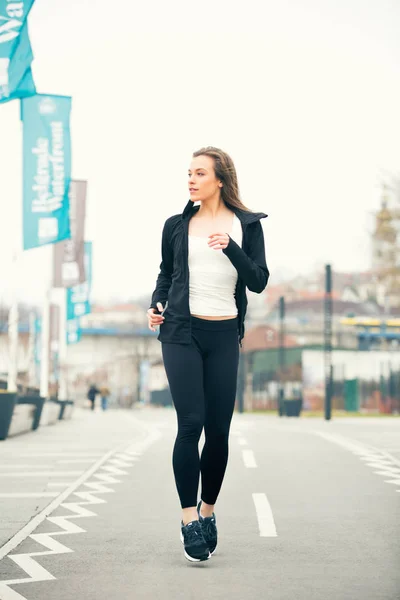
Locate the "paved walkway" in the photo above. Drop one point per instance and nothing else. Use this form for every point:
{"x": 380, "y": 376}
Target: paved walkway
{"x": 309, "y": 511}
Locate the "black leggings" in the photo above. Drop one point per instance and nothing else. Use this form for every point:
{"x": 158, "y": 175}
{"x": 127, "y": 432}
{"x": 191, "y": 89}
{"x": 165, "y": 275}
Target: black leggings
{"x": 202, "y": 378}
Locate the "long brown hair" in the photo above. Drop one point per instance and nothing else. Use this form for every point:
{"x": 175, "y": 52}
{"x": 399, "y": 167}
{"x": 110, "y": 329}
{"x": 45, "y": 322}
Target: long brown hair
{"x": 224, "y": 171}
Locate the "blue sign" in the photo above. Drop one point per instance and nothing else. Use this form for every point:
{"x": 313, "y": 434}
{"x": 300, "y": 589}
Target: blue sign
{"x": 46, "y": 170}
{"x": 15, "y": 49}
{"x": 78, "y": 297}
{"x": 26, "y": 86}
{"x": 74, "y": 331}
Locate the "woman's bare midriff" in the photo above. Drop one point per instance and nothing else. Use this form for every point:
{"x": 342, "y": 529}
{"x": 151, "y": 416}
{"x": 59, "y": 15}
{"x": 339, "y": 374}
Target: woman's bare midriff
{"x": 214, "y": 318}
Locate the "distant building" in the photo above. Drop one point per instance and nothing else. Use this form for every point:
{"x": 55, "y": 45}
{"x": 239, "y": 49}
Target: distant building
{"x": 115, "y": 315}
{"x": 386, "y": 249}
{"x": 265, "y": 337}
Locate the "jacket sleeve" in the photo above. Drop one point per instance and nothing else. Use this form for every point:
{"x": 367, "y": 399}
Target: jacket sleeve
{"x": 164, "y": 278}
{"x": 251, "y": 267}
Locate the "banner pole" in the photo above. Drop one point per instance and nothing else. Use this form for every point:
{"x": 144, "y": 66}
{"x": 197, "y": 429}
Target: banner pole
{"x": 62, "y": 348}
{"x": 31, "y": 351}
{"x": 45, "y": 349}
{"x": 13, "y": 319}
{"x": 45, "y": 346}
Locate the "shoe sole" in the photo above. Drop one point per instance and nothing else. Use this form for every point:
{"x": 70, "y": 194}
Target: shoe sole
{"x": 191, "y": 558}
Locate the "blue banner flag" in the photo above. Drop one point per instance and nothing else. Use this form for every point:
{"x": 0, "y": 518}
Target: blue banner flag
{"x": 15, "y": 49}
{"x": 47, "y": 169}
{"x": 78, "y": 297}
{"x": 19, "y": 68}
{"x": 74, "y": 331}
{"x": 26, "y": 86}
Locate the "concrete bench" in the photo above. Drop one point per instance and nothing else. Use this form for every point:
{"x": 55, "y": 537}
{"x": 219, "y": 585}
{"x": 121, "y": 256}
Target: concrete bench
{"x": 22, "y": 419}
{"x": 50, "y": 413}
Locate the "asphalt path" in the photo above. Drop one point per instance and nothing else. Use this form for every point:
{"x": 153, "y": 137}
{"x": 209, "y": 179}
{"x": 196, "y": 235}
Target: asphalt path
{"x": 309, "y": 510}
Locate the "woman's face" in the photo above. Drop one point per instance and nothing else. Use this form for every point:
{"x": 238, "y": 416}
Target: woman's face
{"x": 202, "y": 181}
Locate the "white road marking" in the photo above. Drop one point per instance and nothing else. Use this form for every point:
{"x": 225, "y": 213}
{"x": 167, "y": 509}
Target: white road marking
{"x": 43, "y": 474}
{"x": 248, "y": 459}
{"x": 75, "y": 461}
{"x": 27, "y": 561}
{"x": 23, "y": 533}
{"x": 25, "y": 467}
{"x": 242, "y": 442}
{"x": 30, "y": 495}
{"x": 375, "y": 458}
{"x": 62, "y": 454}
{"x": 266, "y": 523}
{"x": 391, "y": 472}
{"x": 58, "y": 484}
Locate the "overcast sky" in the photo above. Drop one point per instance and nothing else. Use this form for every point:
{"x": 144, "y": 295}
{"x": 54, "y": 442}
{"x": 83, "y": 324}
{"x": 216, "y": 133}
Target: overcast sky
{"x": 303, "y": 94}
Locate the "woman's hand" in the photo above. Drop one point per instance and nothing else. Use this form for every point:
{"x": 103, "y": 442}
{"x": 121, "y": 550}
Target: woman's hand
{"x": 218, "y": 241}
{"x": 154, "y": 318}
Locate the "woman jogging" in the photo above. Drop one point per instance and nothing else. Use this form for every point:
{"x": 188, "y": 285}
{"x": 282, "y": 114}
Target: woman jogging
{"x": 210, "y": 254}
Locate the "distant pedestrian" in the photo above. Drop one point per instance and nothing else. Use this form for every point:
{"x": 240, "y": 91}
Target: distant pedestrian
{"x": 104, "y": 395}
{"x": 92, "y": 393}
{"x": 202, "y": 329}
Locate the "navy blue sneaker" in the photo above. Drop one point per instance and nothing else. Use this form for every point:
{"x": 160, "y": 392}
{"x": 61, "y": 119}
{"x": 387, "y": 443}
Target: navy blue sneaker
{"x": 192, "y": 538}
{"x": 209, "y": 529}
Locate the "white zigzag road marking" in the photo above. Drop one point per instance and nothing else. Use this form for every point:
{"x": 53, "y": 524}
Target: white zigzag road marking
{"x": 90, "y": 498}
{"x": 124, "y": 456}
{"x": 26, "y": 561}
{"x": 114, "y": 470}
{"x": 99, "y": 488}
{"x": 389, "y": 472}
{"x": 106, "y": 478}
{"x": 373, "y": 457}
{"x": 31, "y": 526}
{"x": 381, "y": 463}
{"x": 127, "y": 462}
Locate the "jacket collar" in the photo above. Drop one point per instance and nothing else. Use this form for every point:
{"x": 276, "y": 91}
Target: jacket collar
{"x": 244, "y": 216}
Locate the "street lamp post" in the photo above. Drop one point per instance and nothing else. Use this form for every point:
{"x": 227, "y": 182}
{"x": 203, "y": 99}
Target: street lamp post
{"x": 281, "y": 396}
{"x": 241, "y": 381}
{"x": 328, "y": 342}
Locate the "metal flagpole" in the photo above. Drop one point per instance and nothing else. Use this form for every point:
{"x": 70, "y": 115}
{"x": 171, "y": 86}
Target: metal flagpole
{"x": 31, "y": 351}
{"x": 45, "y": 346}
{"x": 13, "y": 319}
{"x": 328, "y": 343}
{"x": 281, "y": 392}
{"x": 62, "y": 347}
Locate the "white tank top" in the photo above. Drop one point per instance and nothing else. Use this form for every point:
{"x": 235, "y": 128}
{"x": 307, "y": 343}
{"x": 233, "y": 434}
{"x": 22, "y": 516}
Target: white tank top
{"x": 212, "y": 277}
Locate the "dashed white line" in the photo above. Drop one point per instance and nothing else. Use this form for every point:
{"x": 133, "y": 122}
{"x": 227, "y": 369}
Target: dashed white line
{"x": 266, "y": 523}
{"x": 248, "y": 459}
{"x": 242, "y": 442}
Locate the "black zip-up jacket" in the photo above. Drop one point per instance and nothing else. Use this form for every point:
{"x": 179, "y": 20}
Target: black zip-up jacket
{"x": 173, "y": 279}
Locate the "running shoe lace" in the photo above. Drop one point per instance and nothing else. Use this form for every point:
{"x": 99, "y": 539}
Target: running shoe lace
{"x": 193, "y": 534}
{"x": 209, "y": 527}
